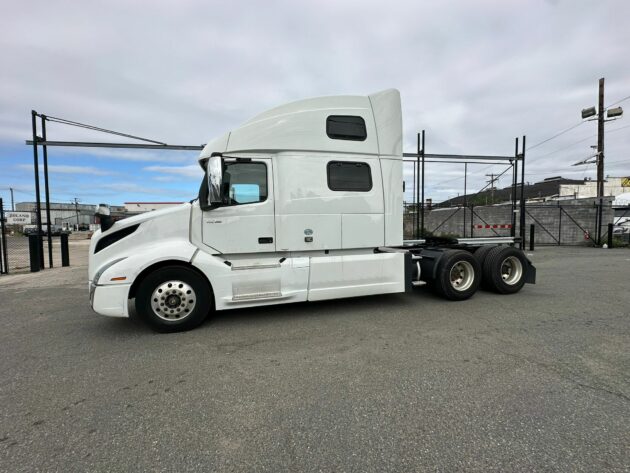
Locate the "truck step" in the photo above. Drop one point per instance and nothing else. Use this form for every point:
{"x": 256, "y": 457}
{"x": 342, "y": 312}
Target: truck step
{"x": 256, "y": 296}
{"x": 418, "y": 283}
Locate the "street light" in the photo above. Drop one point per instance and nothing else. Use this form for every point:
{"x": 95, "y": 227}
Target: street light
{"x": 610, "y": 115}
{"x": 612, "y": 112}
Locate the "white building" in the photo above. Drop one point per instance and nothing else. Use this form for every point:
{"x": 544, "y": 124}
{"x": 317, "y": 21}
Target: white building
{"x": 613, "y": 186}
{"x": 141, "y": 207}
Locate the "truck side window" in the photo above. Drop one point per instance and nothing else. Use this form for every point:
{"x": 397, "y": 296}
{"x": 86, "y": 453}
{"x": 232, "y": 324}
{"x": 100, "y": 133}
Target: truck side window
{"x": 349, "y": 176}
{"x": 245, "y": 182}
{"x": 346, "y": 127}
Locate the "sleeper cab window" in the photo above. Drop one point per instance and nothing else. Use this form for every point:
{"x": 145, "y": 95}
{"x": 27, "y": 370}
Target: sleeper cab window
{"x": 245, "y": 182}
{"x": 346, "y": 127}
{"x": 349, "y": 176}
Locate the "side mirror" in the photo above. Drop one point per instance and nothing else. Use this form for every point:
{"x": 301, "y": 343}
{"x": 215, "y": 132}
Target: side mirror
{"x": 214, "y": 174}
{"x": 210, "y": 192}
{"x": 104, "y": 216}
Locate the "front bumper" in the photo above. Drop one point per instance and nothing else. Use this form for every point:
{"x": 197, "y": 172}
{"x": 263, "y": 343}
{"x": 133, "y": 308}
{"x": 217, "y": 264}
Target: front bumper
{"x": 111, "y": 300}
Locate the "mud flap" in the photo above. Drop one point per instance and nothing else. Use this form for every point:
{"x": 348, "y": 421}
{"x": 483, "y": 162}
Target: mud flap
{"x": 530, "y": 273}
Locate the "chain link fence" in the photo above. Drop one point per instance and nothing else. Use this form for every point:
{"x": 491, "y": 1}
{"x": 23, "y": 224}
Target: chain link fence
{"x": 16, "y": 253}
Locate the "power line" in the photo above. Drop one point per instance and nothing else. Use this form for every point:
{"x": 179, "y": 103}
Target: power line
{"x": 531, "y": 160}
{"x": 618, "y": 101}
{"x": 617, "y": 129}
{"x": 461, "y": 177}
{"x": 563, "y": 148}
{"x": 567, "y": 169}
{"x": 496, "y": 178}
{"x": 554, "y": 136}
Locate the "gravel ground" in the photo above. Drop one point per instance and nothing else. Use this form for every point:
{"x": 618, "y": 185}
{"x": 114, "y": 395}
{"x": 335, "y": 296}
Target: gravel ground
{"x": 538, "y": 381}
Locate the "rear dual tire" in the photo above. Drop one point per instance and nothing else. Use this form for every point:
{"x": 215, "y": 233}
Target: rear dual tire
{"x": 457, "y": 276}
{"x": 503, "y": 269}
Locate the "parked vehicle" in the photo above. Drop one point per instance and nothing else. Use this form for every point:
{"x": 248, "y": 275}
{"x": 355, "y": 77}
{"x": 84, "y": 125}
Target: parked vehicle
{"x": 30, "y": 230}
{"x": 302, "y": 203}
{"x": 55, "y": 230}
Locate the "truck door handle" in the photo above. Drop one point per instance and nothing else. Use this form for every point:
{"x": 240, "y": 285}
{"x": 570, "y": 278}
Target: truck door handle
{"x": 264, "y": 240}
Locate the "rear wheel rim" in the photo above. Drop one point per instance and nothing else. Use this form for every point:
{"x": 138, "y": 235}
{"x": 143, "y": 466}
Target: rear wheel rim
{"x": 173, "y": 300}
{"x": 462, "y": 276}
{"x": 511, "y": 270}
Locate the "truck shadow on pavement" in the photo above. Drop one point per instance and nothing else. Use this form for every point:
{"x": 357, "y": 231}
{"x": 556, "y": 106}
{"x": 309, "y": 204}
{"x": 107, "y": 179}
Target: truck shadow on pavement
{"x": 369, "y": 305}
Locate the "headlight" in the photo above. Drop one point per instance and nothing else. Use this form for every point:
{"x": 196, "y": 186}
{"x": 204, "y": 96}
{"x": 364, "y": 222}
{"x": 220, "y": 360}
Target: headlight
{"x": 104, "y": 268}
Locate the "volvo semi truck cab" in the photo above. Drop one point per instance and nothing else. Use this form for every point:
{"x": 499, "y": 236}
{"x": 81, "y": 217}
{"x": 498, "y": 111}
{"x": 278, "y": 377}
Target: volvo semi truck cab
{"x": 303, "y": 202}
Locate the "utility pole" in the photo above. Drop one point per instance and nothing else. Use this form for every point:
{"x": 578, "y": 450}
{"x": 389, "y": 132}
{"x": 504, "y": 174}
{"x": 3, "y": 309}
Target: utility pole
{"x": 611, "y": 114}
{"x": 600, "y": 140}
{"x": 12, "y": 203}
{"x": 76, "y": 209}
{"x": 491, "y": 181}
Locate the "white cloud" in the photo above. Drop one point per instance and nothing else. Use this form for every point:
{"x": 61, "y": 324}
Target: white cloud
{"x": 191, "y": 171}
{"x": 133, "y": 188}
{"x": 63, "y": 169}
{"x": 139, "y": 155}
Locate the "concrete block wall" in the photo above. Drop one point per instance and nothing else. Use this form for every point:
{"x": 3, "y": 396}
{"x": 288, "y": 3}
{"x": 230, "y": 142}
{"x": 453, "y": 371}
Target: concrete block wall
{"x": 565, "y": 221}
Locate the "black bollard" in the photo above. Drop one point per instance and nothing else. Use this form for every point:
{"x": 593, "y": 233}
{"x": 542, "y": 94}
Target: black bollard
{"x": 34, "y": 252}
{"x": 65, "y": 253}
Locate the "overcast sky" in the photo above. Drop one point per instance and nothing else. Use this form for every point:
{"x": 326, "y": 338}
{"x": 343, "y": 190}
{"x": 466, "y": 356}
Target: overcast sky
{"x": 473, "y": 74}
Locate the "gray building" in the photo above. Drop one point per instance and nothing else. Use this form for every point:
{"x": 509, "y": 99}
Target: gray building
{"x": 68, "y": 215}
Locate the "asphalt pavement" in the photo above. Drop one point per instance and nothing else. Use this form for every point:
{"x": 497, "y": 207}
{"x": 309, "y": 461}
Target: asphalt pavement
{"x": 537, "y": 381}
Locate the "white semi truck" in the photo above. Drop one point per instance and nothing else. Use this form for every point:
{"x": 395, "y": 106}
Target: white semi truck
{"x": 302, "y": 203}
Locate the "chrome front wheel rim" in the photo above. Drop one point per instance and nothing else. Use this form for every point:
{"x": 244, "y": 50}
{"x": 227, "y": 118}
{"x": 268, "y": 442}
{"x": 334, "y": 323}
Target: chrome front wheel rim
{"x": 173, "y": 300}
{"x": 511, "y": 270}
{"x": 462, "y": 275}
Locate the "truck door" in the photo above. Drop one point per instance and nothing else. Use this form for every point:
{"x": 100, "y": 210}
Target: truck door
{"x": 246, "y": 224}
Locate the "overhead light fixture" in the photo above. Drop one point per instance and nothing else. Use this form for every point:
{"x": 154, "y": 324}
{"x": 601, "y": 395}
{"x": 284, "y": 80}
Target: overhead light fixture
{"x": 588, "y": 112}
{"x": 612, "y": 112}
{"x": 586, "y": 161}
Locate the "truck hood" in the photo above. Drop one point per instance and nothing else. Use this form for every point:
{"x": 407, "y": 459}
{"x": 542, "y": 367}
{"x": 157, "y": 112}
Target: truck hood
{"x": 165, "y": 225}
{"x": 154, "y": 214}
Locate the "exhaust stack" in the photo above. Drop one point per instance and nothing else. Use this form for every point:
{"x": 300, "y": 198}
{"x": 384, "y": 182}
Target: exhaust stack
{"x": 104, "y": 216}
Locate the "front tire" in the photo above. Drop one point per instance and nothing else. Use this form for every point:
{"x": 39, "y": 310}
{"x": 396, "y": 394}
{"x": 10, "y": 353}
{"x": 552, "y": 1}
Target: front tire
{"x": 458, "y": 275}
{"x": 174, "y": 299}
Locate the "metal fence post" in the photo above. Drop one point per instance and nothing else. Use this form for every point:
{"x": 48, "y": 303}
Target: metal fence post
{"x": 4, "y": 260}
{"x": 523, "y": 204}
{"x": 599, "y": 221}
{"x": 559, "y": 223}
{"x": 610, "y": 235}
{"x": 38, "y": 201}
{"x": 422, "y": 232}
{"x": 47, "y": 194}
{"x": 532, "y": 232}
{"x": 34, "y": 252}
{"x": 65, "y": 254}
